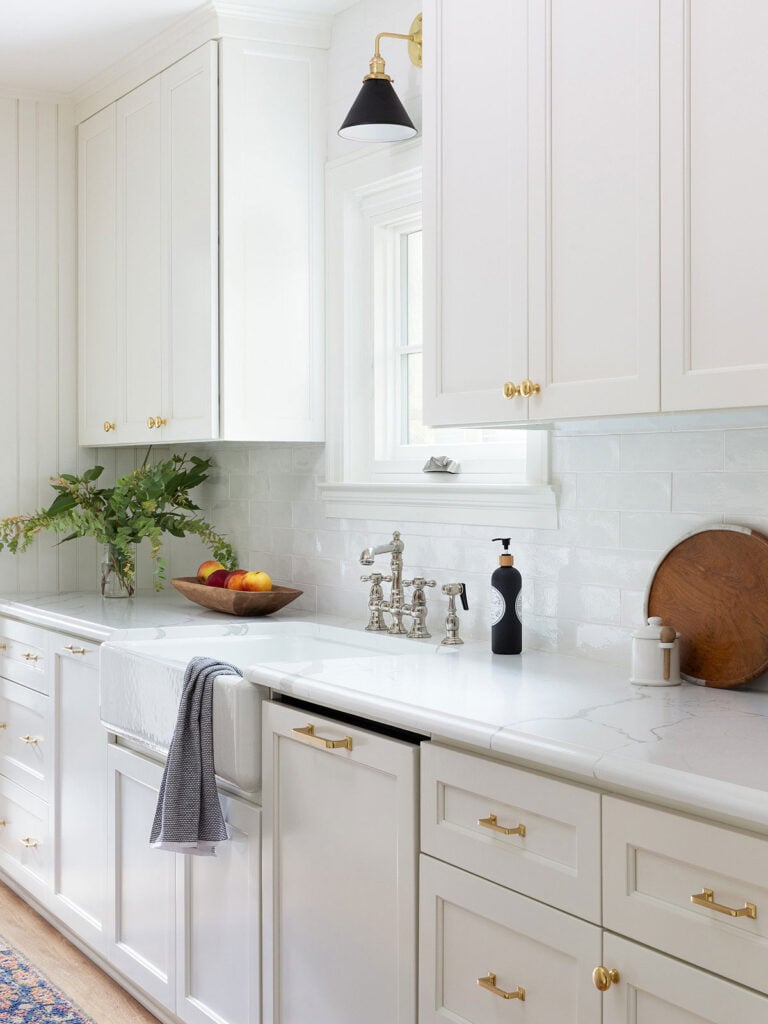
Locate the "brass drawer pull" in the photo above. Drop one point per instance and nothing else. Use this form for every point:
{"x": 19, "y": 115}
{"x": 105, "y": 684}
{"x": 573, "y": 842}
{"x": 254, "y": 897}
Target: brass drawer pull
{"x": 489, "y": 984}
{"x": 30, "y": 657}
{"x": 604, "y": 977}
{"x": 490, "y": 823}
{"x": 307, "y": 732}
{"x": 75, "y": 650}
{"x": 32, "y": 740}
{"x": 706, "y": 898}
{"x": 31, "y": 844}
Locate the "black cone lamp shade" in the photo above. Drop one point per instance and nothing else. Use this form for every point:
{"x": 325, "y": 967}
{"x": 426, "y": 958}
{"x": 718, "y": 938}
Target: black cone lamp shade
{"x": 377, "y": 115}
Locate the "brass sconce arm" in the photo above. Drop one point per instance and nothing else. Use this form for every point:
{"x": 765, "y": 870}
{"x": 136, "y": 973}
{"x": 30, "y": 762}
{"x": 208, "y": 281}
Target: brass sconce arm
{"x": 413, "y": 39}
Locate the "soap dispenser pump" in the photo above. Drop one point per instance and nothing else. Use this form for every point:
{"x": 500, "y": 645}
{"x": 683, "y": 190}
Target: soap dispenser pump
{"x": 506, "y": 599}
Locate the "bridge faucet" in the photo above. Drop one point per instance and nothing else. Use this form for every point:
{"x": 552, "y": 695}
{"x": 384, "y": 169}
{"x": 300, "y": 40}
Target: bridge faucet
{"x": 395, "y": 603}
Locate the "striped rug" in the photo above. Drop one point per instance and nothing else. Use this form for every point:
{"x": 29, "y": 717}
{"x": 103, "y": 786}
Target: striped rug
{"x": 28, "y": 997}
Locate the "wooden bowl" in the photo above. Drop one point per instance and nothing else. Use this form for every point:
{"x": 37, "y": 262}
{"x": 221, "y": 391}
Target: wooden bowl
{"x": 235, "y": 602}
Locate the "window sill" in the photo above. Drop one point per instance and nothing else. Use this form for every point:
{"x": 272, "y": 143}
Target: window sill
{"x": 433, "y": 502}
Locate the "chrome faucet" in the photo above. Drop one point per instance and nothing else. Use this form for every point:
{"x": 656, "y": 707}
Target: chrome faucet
{"x": 395, "y": 603}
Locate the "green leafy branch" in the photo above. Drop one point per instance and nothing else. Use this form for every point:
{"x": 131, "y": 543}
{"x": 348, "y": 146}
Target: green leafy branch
{"x": 146, "y": 503}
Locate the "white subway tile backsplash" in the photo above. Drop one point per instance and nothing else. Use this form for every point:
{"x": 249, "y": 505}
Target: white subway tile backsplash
{"x": 746, "y": 450}
{"x": 688, "y": 450}
{"x": 625, "y": 498}
{"x": 648, "y": 531}
{"x": 597, "y": 454}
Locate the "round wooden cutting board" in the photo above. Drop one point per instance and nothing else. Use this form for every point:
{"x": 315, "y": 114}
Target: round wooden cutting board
{"x": 713, "y": 588}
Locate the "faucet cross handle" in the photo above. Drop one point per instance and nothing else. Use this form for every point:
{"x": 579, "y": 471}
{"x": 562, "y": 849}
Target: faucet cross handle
{"x": 419, "y": 582}
{"x": 375, "y": 578}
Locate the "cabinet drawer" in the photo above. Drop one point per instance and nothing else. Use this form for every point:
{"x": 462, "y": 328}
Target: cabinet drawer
{"x": 23, "y": 832}
{"x": 472, "y": 929}
{"x": 656, "y": 861}
{"x": 23, "y": 654}
{"x": 557, "y": 860}
{"x": 24, "y": 747}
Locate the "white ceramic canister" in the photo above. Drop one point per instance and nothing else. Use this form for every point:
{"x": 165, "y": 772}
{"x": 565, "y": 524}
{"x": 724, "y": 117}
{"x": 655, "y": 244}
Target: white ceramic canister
{"x": 648, "y": 656}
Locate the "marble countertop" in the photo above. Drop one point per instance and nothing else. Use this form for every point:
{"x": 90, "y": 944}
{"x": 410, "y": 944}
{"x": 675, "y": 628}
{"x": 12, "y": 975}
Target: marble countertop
{"x": 701, "y": 750}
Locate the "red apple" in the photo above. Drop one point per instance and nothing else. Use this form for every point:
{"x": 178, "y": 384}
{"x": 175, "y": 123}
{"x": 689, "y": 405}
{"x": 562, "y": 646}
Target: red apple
{"x": 235, "y": 578}
{"x": 217, "y": 578}
{"x": 207, "y": 568}
{"x": 256, "y": 581}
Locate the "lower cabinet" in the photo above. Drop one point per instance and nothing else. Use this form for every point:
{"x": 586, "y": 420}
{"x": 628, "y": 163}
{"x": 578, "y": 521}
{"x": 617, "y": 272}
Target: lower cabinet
{"x": 340, "y": 866}
{"x": 184, "y": 929}
{"x": 654, "y": 989}
{"x": 79, "y": 804}
{"x": 482, "y": 946}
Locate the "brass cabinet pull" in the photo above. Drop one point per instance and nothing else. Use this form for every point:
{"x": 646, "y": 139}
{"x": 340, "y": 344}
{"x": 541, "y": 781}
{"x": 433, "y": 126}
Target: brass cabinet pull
{"x": 604, "y": 977}
{"x": 510, "y": 389}
{"x": 307, "y": 732}
{"x": 3, "y": 822}
{"x": 489, "y": 984}
{"x": 3, "y": 725}
{"x": 32, "y": 740}
{"x": 151, "y": 422}
{"x": 109, "y": 426}
{"x": 3, "y": 647}
{"x": 156, "y": 422}
{"x": 31, "y": 844}
{"x": 528, "y": 388}
{"x": 490, "y": 823}
{"x": 75, "y": 650}
{"x": 706, "y": 898}
{"x": 30, "y": 657}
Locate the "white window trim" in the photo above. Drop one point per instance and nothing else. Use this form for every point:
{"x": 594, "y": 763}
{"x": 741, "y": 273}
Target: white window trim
{"x": 354, "y": 200}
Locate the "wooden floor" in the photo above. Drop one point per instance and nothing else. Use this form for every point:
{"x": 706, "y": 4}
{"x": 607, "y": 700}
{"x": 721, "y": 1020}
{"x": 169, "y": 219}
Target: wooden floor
{"x": 93, "y": 991}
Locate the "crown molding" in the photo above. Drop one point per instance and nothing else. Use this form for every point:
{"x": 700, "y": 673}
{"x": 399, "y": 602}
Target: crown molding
{"x": 212, "y": 20}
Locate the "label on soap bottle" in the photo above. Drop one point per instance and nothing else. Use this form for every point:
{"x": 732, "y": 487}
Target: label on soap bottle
{"x": 498, "y": 606}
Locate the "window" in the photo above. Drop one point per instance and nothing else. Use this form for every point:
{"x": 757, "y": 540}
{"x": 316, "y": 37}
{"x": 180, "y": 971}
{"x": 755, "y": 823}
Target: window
{"x": 377, "y": 441}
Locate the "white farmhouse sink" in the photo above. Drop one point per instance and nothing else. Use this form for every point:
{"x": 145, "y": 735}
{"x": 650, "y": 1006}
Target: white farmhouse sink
{"x": 141, "y": 683}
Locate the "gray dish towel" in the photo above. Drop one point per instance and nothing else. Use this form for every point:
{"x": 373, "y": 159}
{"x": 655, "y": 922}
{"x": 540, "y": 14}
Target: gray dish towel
{"x": 188, "y": 818}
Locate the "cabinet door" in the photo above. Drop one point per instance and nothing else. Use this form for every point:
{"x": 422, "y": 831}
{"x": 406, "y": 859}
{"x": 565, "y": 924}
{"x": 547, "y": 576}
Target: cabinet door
{"x": 142, "y": 881}
{"x": 272, "y": 286}
{"x": 142, "y": 328}
{"x": 594, "y": 207}
{"x": 339, "y": 882}
{"x": 97, "y": 279}
{"x": 654, "y": 989}
{"x": 190, "y": 384}
{"x": 218, "y": 947}
{"x": 80, "y": 791}
{"x": 471, "y": 929}
{"x": 714, "y": 212}
{"x": 475, "y": 210}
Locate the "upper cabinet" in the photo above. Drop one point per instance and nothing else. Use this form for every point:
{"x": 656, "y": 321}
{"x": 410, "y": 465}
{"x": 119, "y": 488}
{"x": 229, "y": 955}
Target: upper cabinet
{"x": 200, "y": 262}
{"x": 590, "y": 250}
{"x": 714, "y": 214}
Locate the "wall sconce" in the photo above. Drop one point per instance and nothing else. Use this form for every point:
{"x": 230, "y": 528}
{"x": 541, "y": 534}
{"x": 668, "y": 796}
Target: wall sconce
{"x": 377, "y": 115}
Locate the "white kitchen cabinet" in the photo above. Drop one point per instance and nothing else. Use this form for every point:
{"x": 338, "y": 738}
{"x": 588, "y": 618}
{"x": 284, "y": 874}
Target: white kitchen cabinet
{"x": 473, "y": 931}
{"x": 541, "y": 210}
{"x": 142, "y": 882}
{"x": 80, "y": 790}
{"x": 339, "y": 878}
{"x": 148, "y": 198}
{"x": 655, "y": 989}
{"x": 714, "y": 215}
{"x": 98, "y": 260}
{"x": 218, "y": 939}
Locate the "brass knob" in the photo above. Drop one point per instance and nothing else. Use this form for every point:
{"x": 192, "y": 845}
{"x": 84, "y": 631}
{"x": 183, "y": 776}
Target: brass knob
{"x": 511, "y": 390}
{"x": 109, "y": 426}
{"x": 3, "y": 725}
{"x": 528, "y": 388}
{"x": 160, "y": 421}
{"x": 604, "y": 977}
{"x": 151, "y": 422}
{"x": 3, "y": 823}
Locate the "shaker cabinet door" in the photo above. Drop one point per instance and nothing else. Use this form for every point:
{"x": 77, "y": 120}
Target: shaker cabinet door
{"x": 594, "y": 208}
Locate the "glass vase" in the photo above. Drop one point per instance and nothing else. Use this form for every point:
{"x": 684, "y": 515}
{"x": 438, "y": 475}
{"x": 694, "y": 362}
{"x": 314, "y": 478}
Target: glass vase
{"x": 117, "y": 572}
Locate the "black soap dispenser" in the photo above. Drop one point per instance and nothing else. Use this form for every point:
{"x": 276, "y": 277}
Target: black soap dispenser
{"x": 506, "y": 599}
